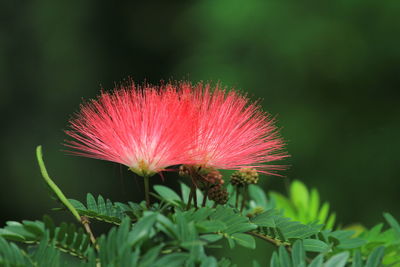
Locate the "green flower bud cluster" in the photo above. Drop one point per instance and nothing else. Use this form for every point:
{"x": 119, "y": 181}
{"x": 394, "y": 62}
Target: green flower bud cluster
{"x": 244, "y": 176}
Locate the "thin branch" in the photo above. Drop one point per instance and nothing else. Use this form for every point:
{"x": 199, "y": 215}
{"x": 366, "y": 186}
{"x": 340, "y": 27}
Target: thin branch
{"x": 86, "y": 224}
{"x": 274, "y": 242}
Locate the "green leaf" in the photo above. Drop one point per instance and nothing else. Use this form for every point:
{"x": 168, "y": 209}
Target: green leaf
{"x": 331, "y": 221}
{"x": 313, "y": 204}
{"x": 345, "y": 239}
{"x": 375, "y": 258}
{"x": 351, "y": 243}
{"x": 338, "y": 260}
{"x": 315, "y": 245}
{"x": 236, "y": 223}
{"x": 11, "y": 255}
{"x": 393, "y": 223}
{"x": 274, "y": 260}
{"x": 282, "y": 203}
{"x": 172, "y": 260}
{"x": 258, "y": 195}
{"x": 209, "y": 262}
{"x": 168, "y": 194}
{"x": 101, "y": 205}
{"x": 265, "y": 219}
{"x": 142, "y": 228}
{"x": 77, "y": 204}
{"x": 284, "y": 257}
{"x": 256, "y": 264}
{"x": 357, "y": 260}
{"x": 185, "y": 191}
{"x": 211, "y": 237}
{"x": 298, "y": 254}
{"x": 150, "y": 256}
{"x": 210, "y": 226}
{"x": 317, "y": 261}
{"x": 323, "y": 213}
{"x": 91, "y": 202}
{"x": 244, "y": 240}
{"x": 299, "y": 194}
{"x": 10, "y": 235}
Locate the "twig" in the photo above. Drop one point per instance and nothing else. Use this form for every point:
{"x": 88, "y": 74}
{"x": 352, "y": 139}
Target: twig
{"x": 275, "y": 242}
{"x": 267, "y": 238}
{"x": 86, "y": 224}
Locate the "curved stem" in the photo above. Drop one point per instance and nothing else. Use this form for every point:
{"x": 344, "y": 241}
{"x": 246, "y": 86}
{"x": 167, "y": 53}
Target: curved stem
{"x": 56, "y": 190}
{"x": 60, "y": 195}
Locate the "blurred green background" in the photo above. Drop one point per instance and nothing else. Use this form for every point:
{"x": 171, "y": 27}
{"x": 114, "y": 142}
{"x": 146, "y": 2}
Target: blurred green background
{"x": 329, "y": 70}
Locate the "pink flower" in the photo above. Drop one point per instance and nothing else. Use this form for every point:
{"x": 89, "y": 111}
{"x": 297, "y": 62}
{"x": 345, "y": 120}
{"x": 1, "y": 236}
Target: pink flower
{"x": 149, "y": 128}
{"x": 232, "y": 133}
{"x": 146, "y": 128}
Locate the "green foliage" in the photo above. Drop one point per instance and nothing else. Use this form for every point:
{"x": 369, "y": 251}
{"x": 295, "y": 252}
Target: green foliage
{"x": 304, "y": 206}
{"x": 389, "y": 238}
{"x": 65, "y": 237}
{"x": 102, "y": 209}
{"x": 297, "y": 257}
{"x": 169, "y": 233}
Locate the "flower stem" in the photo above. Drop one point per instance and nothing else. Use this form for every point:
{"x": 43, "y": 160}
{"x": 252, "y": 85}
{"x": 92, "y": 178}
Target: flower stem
{"x": 205, "y": 197}
{"x": 237, "y": 197}
{"x": 195, "y": 197}
{"x": 244, "y": 197}
{"x": 147, "y": 190}
{"x": 192, "y": 192}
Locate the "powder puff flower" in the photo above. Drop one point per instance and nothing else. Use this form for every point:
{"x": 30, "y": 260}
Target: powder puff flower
{"x": 232, "y": 133}
{"x": 145, "y": 128}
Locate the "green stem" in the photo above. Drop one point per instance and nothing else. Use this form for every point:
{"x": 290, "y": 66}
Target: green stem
{"x": 189, "y": 203}
{"x": 244, "y": 198}
{"x": 60, "y": 195}
{"x": 205, "y": 197}
{"x": 147, "y": 190}
{"x": 195, "y": 197}
{"x": 57, "y": 191}
{"x": 237, "y": 197}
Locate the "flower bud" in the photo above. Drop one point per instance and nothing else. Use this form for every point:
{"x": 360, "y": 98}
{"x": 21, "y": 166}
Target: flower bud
{"x": 244, "y": 176}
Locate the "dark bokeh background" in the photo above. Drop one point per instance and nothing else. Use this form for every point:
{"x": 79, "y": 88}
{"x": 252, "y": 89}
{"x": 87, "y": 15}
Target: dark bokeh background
{"x": 328, "y": 69}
